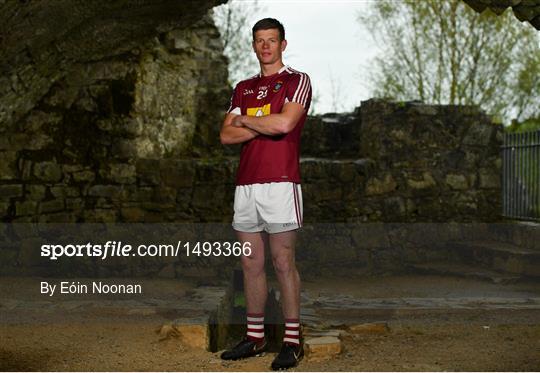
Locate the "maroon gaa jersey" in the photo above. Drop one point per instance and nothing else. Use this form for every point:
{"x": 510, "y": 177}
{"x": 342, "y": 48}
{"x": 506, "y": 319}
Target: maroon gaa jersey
{"x": 267, "y": 158}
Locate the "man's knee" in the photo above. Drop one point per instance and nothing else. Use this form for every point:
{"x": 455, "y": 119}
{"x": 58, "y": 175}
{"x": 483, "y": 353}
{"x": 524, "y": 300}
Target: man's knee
{"x": 283, "y": 263}
{"x": 252, "y": 266}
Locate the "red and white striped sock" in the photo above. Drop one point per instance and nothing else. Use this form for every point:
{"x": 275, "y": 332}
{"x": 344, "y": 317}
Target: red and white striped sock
{"x": 255, "y": 326}
{"x": 292, "y": 331}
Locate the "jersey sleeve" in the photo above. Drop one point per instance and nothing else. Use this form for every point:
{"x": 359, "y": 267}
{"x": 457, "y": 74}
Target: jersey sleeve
{"x": 236, "y": 102}
{"x": 299, "y": 90}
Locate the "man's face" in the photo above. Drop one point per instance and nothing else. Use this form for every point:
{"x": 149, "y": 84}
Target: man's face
{"x": 267, "y": 46}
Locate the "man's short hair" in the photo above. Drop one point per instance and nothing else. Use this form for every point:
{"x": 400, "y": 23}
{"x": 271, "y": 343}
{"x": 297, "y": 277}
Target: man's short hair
{"x": 269, "y": 23}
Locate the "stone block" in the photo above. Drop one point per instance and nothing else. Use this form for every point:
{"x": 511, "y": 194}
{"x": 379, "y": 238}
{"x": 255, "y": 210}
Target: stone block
{"x": 124, "y": 149}
{"x": 456, "y": 182}
{"x": 8, "y": 165}
{"x": 394, "y": 207}
{"x": 25, "y": 166}
{"x": 422, "y": 109}
{"x": 53, "y": 205}
{"x": 148, "y": 171}
{"x": 426, "y": 182}
{"x": 59, "y": 217}
{"x": 84, "y": 176}
{"x": 60, "y": 191}
{"x": 479, "y": 134}
{"x": 132, "y": 214}
{"x": 489, "y": 179}
{"x": 375, "y": 186}
{"x": 193, "y": 335}
{"x": 179, "y": 174}
{"x": 74, "y": 203}
{"x": 25, "y": 208}
{"x": 35, "y": 192}
{"x": 121, "y": 173}
{"x": 100, "y": 216}
{"x": 4, "y": 209}
{"x": 48, "y": 171}
{"x": 312, "y": 333}
{"x": 346, "y": 171}
{"x": 9, "y": 191}
{"x": 109, "y": 191}
{"x": 322, "y": 348}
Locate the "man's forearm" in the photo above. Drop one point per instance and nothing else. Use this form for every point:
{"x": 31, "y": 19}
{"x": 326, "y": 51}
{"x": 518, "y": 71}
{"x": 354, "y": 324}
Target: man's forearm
{"x": 272, "y": 124}
{"x": 237, "y": 135}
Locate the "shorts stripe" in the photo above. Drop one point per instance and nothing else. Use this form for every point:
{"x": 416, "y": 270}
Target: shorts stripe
{"x": 296, "y": 209}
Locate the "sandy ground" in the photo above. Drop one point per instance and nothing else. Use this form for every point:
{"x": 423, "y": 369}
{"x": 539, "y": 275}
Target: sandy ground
{"x": 95, "y": 346}
{"x": 457, "y": 340}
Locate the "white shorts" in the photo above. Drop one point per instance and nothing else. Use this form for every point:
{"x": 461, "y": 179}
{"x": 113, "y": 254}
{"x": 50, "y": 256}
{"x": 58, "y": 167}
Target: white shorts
{"x": 272, "y": 207}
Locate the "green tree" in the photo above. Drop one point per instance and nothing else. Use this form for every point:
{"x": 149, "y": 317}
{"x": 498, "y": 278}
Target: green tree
{"x": 233, "y": 22}
{"x": 443, "y": 52}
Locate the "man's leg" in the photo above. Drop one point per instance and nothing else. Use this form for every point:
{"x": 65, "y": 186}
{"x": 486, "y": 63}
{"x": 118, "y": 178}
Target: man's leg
{"x": 255, "y": 288}
{"x": 282, "y": 247}
{"x": 255, "y": 291}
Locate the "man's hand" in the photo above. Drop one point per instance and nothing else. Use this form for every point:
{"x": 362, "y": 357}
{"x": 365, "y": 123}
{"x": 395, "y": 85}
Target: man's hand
{"x": 275, "y": 124}
{"x": 237, "y": 121}
{"x": 233, "y": 130}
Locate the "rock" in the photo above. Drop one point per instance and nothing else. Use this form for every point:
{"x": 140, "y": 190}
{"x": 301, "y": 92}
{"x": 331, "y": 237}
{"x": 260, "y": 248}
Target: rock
{"x": 309, "y": 332}
{"x": 53, "y": 205}
{"x": 478, "y": 134}
{"x": 8, "y": 191}
{"x": 8, "y": 170}
{"x": 132, "y": 214}
{"x": 322, "y": 348}
{"x": 25, "y": 208}
{"x": 194, "y": 335}
{"x": 426, "y": 182}
{"x": 457, "y": 182}
{"x": 121, "y": 173}
{"x": 167, "y": 331}
{"x": 48, "y": 171}
{"x": 83, "y": 176}
{"x": 376, "y": 186}
{"x": 109, "y": 191}
{"x": 489, "y": 179}
{"x": 4, "y": 209}
{"x": 61, "y": 191}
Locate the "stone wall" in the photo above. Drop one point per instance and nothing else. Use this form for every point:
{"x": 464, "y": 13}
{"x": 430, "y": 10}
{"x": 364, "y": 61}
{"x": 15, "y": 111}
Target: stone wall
{"x": 436, "y": 163}
{"x": 73, "y": 157}
{"x": 524, "y": 10}
{"x": 393, "y": 162}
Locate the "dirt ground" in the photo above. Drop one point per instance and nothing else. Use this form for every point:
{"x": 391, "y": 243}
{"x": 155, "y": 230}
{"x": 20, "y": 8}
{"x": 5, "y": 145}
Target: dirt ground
{"x": 135, "y": 347}
{"x": 458, "y": 340}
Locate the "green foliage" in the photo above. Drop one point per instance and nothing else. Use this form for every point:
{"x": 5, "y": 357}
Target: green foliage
{"x": 442, "y": 52}
{"x": 530, "y": 124}
{"x": 231, "y": 20}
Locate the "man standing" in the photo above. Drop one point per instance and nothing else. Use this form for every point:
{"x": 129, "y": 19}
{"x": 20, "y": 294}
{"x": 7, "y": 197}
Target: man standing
{"x": 266, "y": 115}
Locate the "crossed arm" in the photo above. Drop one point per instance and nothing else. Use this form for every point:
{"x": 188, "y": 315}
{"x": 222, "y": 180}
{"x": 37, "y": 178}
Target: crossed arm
{"x": 240, "y": 128}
